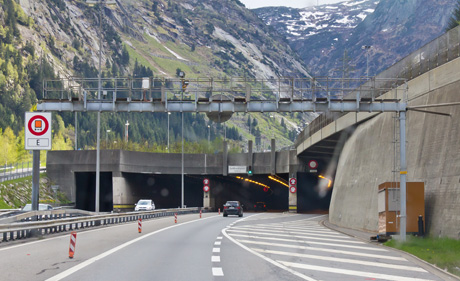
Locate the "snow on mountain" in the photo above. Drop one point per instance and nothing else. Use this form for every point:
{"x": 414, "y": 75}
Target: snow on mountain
{"x": 299, "y": 24}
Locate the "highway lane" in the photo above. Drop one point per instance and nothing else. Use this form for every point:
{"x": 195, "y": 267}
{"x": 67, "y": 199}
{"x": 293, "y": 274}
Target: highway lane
{"x": 268, "y": 246}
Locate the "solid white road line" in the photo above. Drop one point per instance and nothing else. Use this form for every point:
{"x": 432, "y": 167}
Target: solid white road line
{"x": 88, "y": 262}
{"x": 215, "y": 258}
{"x": 217, "y": 271}
{"x": 224, "y": 232}
{"x": 351, "y": 272}
{"x": 319, "y": 233}
{"x": 360, "y": 262}
{"x": 216, "y": 250}
{"x": 312, "y": 242}
{"x": 297, "y": 236}
{"x": 323, "y": 250}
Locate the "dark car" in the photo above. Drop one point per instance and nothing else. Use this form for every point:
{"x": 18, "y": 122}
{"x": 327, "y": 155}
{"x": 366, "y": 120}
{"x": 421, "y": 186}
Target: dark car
{"x": 233, "y": 208}
{"x": 260, "y": 206}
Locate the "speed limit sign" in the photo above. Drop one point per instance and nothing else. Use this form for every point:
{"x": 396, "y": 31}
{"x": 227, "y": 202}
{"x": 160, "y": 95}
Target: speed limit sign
{"x": 292, "y": 189}
{"x": 292, "y": 181}
{"x": 313, "y": 164}
{"x": 206, "y": 181}
{"x": 206, "y": 188}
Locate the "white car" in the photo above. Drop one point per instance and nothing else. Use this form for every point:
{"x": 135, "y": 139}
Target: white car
{"x": 144, "y": 205}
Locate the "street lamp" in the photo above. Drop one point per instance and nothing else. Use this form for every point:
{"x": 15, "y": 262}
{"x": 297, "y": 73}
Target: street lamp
{"x": 98, "y": 153}
{"x": 367, "y": 48}
{"x": 182, "y": 76}
{"x": 169, "y": 113}
{"x": 209, "y": 135}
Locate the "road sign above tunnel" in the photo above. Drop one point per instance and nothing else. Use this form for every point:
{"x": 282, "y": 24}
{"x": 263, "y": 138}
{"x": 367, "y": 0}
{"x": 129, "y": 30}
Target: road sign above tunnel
{"x": 313, "y": 164}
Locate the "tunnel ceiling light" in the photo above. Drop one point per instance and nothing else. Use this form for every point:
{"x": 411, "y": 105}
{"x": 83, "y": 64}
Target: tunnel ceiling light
{"x": 329, "y": 183}
{"x": 278, "y": 181}
{"x": 251, "y": 181}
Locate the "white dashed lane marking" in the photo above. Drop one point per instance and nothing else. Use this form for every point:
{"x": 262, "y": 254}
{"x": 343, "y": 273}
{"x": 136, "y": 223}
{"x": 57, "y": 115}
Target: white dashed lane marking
{"x": 217, "y": 271}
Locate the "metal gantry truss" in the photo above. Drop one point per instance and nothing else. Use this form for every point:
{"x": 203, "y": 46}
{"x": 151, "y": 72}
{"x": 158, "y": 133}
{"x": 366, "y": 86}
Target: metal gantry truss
{"x": 283, "y": 94}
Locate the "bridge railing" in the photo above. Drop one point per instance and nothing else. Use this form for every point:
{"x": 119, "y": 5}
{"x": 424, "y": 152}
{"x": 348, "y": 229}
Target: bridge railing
{"x": 203, "y": 90}
{"x": 27, "y": 229}
{"x": 435, "y": 53}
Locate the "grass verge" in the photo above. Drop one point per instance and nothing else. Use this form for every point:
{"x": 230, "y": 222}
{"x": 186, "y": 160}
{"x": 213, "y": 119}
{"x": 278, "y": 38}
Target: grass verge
{"x": 442, "y": 252}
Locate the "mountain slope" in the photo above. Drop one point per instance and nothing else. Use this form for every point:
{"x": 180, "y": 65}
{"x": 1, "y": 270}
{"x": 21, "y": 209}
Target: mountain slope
{"x": 392, "y": 28}
{"x": 159, "y": 37}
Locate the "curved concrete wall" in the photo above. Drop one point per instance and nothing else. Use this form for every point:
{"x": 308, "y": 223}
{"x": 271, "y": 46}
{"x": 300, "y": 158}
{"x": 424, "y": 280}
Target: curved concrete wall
{"x": 433, "y": 157}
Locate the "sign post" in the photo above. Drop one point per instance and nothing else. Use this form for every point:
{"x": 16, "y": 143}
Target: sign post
{"x": 37, "y": 137}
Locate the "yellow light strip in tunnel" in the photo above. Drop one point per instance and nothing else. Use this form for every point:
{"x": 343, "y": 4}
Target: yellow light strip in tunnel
{"x": 251, "y": 181}
{"x": 278, "y": 181}
{"x": 330, "y": 181}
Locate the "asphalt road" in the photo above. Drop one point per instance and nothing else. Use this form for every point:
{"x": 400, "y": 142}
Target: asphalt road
{"x": 268, "y": 246}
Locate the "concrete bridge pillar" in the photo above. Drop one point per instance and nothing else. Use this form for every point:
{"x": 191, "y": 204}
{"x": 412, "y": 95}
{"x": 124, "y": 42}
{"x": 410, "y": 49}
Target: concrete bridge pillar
{"x": 122, "y": 195}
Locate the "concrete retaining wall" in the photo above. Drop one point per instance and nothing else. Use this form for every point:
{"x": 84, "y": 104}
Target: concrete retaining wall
{"x": 433, "y": 157}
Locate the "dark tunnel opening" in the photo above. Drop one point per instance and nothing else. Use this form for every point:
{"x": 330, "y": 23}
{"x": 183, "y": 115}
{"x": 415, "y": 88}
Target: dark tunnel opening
{"x": 85, "y": 196}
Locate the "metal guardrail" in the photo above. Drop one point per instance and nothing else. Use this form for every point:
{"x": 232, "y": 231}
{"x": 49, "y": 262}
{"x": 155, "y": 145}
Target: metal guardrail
{"x": 21, "y": 230}
{"x": 435, "y": 53}
{"x": 17, "y": 170}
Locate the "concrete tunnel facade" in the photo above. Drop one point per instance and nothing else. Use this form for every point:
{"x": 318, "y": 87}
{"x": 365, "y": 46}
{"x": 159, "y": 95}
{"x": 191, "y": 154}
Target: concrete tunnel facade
{"x": 128, "y": 176}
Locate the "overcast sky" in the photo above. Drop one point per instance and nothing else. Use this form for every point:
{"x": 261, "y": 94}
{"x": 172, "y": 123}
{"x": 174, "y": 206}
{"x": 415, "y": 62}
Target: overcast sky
{"x": 252, "y": 4}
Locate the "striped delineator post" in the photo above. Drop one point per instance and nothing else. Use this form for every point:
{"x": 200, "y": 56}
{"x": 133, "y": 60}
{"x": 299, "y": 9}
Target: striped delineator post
{"x": 73, "y": 241}
{"x": 200, "y": 214}
{"x": 219, "y": 211}
{"x": 175, "y": 218}
{"x": 139, "y": 225}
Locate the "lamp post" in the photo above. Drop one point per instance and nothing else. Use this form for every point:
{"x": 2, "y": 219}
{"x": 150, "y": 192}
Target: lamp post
{"x": 182, "y": 76}
{"x": 98, "y": 137}
{"x": 169, "y": 113}
{"x": 107, "y": 137}
{"x": 126, "y": 130}
{"x": 367, "y": 48}
{"x": 209, "y": 135}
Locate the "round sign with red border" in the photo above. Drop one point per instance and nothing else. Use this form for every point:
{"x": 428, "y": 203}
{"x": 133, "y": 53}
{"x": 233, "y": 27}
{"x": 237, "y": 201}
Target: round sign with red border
{"x": 265, "y": 189}
{"x": 293, "y": 181}
{"x": 313, "y": 164}
{"x": 206, "y": 181}
{"x": 206, "y": 188}
{"x": 292, "y": 189}
{"x": 38, "y": 125}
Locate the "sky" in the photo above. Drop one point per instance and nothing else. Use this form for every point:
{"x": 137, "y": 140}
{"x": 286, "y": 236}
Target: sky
{"x": 252, "y": 4}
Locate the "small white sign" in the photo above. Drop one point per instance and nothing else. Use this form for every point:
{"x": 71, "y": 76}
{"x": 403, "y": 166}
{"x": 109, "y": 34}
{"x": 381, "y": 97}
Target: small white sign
{"x": 37, "y": 131}
{"x": 237, "y": 170}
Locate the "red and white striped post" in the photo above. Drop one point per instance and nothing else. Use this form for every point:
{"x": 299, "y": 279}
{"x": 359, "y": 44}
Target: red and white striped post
{"x": 175, "y": 218}
{"x": 200, "y": 214}
{"x": 73, "y": 241}
{"x": 139, "y": 225}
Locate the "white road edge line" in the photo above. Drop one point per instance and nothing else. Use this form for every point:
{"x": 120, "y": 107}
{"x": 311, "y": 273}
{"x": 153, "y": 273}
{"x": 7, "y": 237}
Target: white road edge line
{"x": 88, "y": 262}
{"x": 224, "y": 232}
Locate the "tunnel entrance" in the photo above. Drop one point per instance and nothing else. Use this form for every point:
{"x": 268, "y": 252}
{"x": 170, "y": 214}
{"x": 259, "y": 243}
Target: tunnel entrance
{"x": 313, "y": 195}
{"x": 85, "y": 194}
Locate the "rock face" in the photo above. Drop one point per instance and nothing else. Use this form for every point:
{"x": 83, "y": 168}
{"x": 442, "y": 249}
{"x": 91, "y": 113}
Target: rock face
{"x": 368, "y": 160}
{"x": 329, "y": 38}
